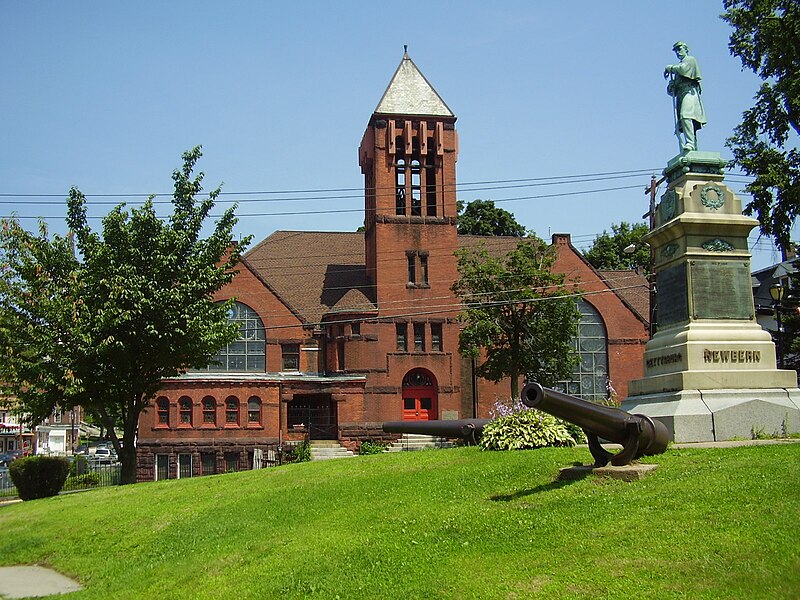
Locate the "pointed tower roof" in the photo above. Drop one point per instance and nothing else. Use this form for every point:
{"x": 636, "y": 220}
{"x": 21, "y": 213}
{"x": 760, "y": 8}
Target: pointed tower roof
{"x": 409, "y": 93}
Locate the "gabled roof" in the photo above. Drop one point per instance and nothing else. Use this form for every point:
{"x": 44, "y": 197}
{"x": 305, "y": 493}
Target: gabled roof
{"x": 633, "y": 288}
{"x": 314, "y": 272}
{"x": 409, "y": 93}
{"x": 319, "y": 273}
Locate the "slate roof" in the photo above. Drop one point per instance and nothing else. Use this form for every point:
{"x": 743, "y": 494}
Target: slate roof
{"x": 314, "y": 272}
{"x": 633, "y": 288}
{"x": 318, "y": 273}
{"x": 409, "y": 93}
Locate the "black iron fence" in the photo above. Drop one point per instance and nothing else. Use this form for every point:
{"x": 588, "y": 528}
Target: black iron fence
{"x": 91, "y": 476}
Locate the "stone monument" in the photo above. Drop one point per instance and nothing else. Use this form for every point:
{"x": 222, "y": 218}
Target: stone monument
{"x": 710, "y": 370}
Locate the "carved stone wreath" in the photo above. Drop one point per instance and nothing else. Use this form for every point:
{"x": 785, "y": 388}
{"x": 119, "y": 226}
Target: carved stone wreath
{"x": 669, "y": 250}
{"x": 712, "y": 196}
{"x": 718, "y": 245}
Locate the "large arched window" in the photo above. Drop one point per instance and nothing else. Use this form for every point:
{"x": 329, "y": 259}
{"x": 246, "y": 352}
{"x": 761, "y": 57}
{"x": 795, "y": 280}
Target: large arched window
{"x": 590, "y": 377}
{"x": 248, "y": 352}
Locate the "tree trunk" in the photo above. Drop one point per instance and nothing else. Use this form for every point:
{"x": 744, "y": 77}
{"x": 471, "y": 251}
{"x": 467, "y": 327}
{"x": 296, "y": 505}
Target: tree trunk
{"x": 128, "y": 455}
{"x": 128, "y": 460}
{"x": 514, "y": 386}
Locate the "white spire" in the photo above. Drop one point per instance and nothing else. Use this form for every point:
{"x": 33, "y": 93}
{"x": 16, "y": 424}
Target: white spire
{"x": 409, "y": 93}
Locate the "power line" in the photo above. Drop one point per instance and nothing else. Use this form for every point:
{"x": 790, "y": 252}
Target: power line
{"x": 530, "y": 181}
{"x": 364, "y": 210}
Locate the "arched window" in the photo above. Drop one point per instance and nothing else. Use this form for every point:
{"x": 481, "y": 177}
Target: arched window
{"x": 209, "y": 411}
{"x": 417, "y": 378}
{"x": 162, "y": 411}
{"x": 254, "y": 410}
{"x": 400, "y": 184}
{"x": 185, "y": 410}
{"x": 416, "y": 188}
{"x": 232, "y": 411}
{"x": 590, "y": 377}
{"x": 248, "y": 352}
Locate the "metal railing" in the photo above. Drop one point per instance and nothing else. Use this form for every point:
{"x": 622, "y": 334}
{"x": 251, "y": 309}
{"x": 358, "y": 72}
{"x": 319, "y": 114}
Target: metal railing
{"x": 93, "y": 476}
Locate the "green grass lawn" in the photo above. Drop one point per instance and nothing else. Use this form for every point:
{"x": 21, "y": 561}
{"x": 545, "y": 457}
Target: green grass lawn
{"x": 457, "y": 523}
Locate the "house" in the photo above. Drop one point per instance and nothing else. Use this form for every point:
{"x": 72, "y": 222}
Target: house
{"x": 60, "y": 433}
{"x": 342, "y": 331}
{"x": 14, "y": 435}
{"x": 766, "y": 282}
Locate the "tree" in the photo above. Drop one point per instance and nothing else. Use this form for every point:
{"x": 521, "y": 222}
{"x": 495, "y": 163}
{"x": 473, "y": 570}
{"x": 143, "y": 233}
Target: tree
{"x": 766, "y": 37}
{"x": 99, "y": 320}
{"x": 608, "y": 250}
{"x": 482, "y": 217}
{"x": 519, "y": 311}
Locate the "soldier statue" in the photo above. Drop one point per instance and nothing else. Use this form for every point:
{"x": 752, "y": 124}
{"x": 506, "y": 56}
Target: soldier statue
{"x": 684, "y": 87}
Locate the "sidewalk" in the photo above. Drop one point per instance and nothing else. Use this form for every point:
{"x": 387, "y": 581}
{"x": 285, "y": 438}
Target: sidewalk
{"x": 34, "y": 582}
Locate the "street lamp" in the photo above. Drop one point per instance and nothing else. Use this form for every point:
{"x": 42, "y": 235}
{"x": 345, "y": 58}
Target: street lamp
{"x": 777, "y": 292}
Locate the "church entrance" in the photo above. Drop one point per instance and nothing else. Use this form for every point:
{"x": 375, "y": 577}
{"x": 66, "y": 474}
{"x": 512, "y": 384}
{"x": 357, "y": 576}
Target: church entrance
{"x": 419, "y": 396}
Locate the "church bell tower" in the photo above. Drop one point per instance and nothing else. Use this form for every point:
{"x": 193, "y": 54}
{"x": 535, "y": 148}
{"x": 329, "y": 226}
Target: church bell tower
{"x": 408, "y": 157}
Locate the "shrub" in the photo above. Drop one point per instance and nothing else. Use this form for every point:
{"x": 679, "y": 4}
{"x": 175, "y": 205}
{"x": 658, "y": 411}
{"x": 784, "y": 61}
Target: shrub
{"x": 574, "y": 431}
{"x": 505, "y": 408}
{"x": 39, "y": 476}
{"x": 78, "y": 466}
{"x": 370, "y": 447}
{"x": 525, "y": 429}
{"x": 87, "y": 480}
{"x": 298, "y": 452}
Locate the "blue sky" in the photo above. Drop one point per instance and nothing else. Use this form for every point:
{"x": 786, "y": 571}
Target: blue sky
{"x": 106, "y": 96}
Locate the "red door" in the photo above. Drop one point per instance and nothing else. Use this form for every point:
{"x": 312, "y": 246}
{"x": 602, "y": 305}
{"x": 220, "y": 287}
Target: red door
{"x": 419, "y": 401}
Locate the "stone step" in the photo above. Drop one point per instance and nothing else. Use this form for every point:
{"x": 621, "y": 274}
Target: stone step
{"x": 328, "y": 449}
{"x": 411, "y": 442}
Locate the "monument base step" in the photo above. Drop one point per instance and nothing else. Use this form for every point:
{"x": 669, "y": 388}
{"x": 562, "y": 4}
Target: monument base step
{"x": 718, "y": 415}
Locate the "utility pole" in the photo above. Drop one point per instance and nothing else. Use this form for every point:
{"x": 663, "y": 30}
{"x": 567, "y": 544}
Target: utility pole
{"x": 651, "y": 276}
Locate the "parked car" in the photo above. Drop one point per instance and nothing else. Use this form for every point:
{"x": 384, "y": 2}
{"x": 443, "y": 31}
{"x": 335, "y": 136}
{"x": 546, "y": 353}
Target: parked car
{"x": 6, "y": 458}
{"x": 103, "y": 456}
{"x": 82, "y": 449}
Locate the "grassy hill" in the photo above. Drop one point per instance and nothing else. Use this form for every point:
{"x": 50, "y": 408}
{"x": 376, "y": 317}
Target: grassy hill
{"x": 455, "y": 523}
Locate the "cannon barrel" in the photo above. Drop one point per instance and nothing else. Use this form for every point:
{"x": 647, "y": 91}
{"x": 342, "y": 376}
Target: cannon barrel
{"x": 639, "y": 434}
{"x": 469, "y": 430}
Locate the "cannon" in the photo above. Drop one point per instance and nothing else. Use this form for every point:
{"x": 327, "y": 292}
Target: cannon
{"x": 468, "y": 430}
{"x": 639, "y": 434}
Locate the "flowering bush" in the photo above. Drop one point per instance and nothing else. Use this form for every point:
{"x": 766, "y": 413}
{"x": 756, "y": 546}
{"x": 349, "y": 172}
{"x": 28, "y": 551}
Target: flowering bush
{"x": 525, "y": 429}
{"x": 507, "y": 408}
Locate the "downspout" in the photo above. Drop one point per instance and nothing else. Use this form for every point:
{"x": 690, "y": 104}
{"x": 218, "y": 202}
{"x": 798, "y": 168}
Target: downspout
{"x": 474, "y": 389}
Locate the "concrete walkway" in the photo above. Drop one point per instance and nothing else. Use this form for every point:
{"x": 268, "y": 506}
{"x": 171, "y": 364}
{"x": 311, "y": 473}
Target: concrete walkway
{"x": 34, "y": 582}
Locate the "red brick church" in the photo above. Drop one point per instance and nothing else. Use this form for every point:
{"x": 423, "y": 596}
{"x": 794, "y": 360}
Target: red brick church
{"x": 342, "y": 331}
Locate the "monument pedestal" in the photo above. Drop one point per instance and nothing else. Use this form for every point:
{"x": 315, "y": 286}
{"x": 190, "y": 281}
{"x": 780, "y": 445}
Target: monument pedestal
{"x": 710, "y": 370}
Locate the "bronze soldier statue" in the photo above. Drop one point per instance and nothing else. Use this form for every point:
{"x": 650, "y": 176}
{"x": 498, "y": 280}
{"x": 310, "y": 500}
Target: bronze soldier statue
{"x": 684, "y": 87}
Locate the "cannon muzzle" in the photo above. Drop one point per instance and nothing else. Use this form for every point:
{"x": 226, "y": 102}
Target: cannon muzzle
{"x": 468, "y": 430}
{"x": 639, "y": 434}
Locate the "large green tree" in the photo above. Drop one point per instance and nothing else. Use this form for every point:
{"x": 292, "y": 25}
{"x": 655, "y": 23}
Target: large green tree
{"x": 608, "y": 250}
{"x": 517, "y": 313}
{"x": 482, "y": 217}
{"x": 766, "y": 37}
{"x": 99, "y": 319}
